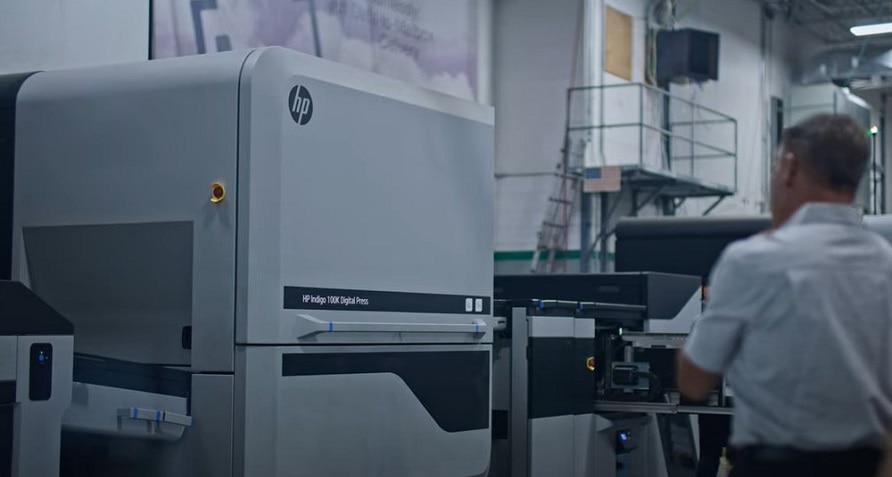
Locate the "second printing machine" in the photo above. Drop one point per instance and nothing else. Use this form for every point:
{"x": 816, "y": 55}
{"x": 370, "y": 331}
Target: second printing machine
{"x": 267, "y": 265}
{"x": 581, "y": 368}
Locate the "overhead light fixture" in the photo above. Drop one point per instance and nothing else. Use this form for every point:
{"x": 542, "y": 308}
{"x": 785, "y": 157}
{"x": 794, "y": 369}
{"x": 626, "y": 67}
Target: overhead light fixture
{"x": 875, "y": 29}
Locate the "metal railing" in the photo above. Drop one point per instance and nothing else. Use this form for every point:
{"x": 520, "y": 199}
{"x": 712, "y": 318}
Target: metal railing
{"x": 683, "y": 126}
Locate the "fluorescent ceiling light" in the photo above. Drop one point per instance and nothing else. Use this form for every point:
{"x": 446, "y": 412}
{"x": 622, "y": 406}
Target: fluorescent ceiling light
{"x": 875, "y": 29}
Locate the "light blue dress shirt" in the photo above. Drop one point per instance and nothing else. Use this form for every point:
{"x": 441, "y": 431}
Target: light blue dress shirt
{"x": 800, "y": 322}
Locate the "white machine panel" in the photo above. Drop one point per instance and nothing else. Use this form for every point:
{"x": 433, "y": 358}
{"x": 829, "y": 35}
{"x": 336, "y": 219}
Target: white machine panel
{"x": 393, "y": 226}
{"x": 552, "y": 446}
{"x": 377, "y": 411}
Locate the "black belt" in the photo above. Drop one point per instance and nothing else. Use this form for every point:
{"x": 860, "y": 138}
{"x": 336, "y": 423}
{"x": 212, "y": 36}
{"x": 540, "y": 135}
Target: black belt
{"x": 771, "y": 454}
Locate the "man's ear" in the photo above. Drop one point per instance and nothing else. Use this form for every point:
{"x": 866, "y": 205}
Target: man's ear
{"x": 789, "y": 169}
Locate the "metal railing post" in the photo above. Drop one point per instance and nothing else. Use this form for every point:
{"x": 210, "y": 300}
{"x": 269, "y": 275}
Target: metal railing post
{"x": 693, "y": 127}
{"x": 667, "y": 126}
{"x": 735, "y": 153}
{"x": 641, "y": 126}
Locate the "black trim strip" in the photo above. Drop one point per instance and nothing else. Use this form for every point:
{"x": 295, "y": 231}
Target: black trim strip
{"x": 24, "y": 313}
{"x": 307, "y": 298}
{"x": 7, "y": 422}
{"x": 500, "y": 426}
{"x": 151, "y": 26}
{"x": 117, "y": 373}
{"x": 9, "y": 90}
{"x": 452, "y": 385}
{"x": 7, "y": 393}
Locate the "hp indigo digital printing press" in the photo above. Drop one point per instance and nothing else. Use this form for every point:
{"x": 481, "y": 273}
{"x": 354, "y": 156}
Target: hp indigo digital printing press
{"x": 274, "y": 265}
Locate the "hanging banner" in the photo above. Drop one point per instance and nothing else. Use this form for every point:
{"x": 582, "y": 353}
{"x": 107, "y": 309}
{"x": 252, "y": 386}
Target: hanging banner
{"x": 430, "y": 43}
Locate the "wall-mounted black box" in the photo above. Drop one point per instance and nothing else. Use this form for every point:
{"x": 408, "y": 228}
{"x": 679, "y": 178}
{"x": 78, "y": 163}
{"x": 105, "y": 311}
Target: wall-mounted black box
{"x": 687, "y": 55}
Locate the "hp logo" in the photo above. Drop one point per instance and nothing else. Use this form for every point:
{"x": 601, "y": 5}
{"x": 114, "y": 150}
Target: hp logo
{"x": 300, "y": 104}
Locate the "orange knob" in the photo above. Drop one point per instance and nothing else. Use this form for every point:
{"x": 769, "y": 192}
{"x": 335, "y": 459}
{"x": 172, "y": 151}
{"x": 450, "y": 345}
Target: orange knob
{"x": 218, "y": 192}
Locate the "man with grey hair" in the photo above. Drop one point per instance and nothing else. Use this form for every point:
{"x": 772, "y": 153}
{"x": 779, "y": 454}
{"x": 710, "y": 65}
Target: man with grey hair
{"x": 800, "y": 319}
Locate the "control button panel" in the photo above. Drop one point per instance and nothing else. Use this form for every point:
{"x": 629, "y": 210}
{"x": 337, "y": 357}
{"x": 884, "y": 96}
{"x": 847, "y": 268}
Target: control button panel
{"x": 40, "y": 385}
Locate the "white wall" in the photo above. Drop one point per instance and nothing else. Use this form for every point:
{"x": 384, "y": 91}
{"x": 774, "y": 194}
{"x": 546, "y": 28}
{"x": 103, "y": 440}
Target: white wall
{"x": 738, "y": 93}
{"x": 51, "y": 34}
{"x": 741, "y": 92}
{"x": 534, "y": 45}
{"x": 533, "y": 53}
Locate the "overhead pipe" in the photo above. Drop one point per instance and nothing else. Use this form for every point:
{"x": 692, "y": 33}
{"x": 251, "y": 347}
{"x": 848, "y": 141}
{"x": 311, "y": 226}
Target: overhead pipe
{"x": 765, "y": 49}
{"x": 883, "y": 185}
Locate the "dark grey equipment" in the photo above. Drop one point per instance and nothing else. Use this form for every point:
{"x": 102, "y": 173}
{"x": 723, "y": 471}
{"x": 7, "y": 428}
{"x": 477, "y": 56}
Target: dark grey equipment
{"x": 687, "y": 54}
{"x": 683, "y": 245}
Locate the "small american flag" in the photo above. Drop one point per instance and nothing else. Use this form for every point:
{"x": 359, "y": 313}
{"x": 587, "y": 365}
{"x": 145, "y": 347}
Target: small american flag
{"x": 603, "y": 179}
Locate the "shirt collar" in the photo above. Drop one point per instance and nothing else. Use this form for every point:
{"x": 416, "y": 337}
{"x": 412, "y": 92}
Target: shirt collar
{"x": 825, "y": 213}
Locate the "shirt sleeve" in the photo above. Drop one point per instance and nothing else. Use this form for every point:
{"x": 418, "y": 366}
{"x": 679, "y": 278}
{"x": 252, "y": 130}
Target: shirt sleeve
{"x": 730, "y": 307}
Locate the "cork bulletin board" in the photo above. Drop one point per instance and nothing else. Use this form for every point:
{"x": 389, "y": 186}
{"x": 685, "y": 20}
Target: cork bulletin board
{"x": 617, "y": 43}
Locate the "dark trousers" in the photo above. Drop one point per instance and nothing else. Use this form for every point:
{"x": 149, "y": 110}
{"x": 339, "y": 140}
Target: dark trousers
{"x": 714, "y": 432}
{"x": 782, "y": 462}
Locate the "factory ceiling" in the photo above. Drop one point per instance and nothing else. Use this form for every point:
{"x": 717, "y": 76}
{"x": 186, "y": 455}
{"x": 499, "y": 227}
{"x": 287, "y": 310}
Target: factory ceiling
{"x": 830, "y": 20}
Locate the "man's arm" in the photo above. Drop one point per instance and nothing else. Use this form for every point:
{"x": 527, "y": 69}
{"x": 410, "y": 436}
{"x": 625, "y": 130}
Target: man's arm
{"x": 693, "y": 381}
{"x": 886, "y": 469}
{"x": 716, "y": 336}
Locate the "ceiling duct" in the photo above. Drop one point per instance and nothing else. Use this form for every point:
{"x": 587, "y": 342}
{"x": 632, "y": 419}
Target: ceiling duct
{"x": 849, "y": 67}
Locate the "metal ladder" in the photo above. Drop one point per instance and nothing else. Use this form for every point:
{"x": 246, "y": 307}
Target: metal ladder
{"x": 553, "y": 236}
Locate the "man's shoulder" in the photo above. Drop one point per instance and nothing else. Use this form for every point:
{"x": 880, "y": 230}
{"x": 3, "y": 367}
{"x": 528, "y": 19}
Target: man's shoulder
{"x": 756, "y": 248}
{"x": 761, "y": 257}
{"x": 787, "y": 247}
